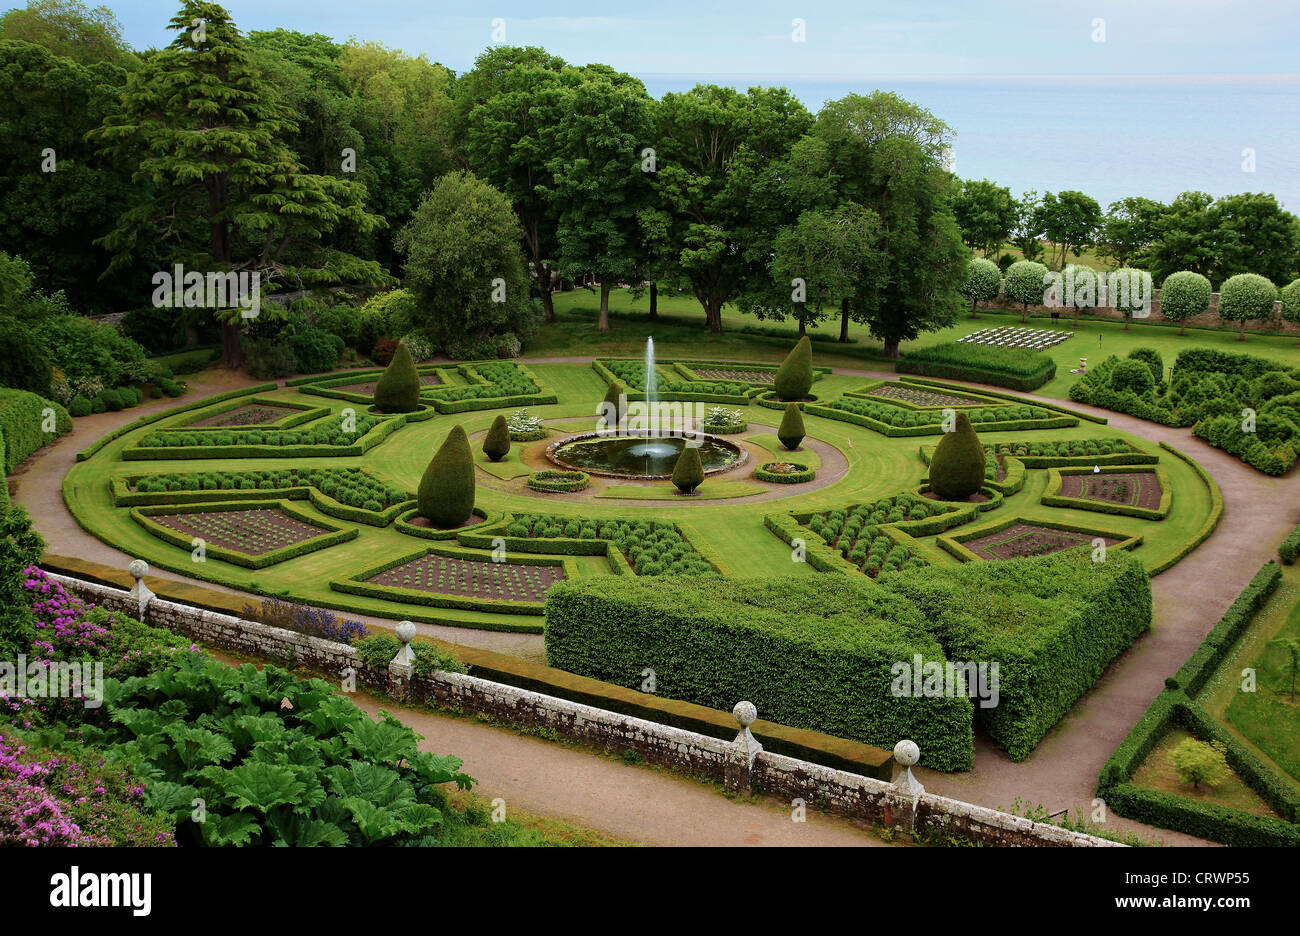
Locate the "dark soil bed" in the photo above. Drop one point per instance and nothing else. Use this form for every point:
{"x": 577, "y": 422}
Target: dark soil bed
{"x": 419, "y": 521}
{"x": 1136, "y": 489}
{"x": 252, "y": 415}
{"x": 1027, "y": 539}
{"x": 252, "y": 532}
{"x": 472, "y": 578}
{"x": 368, "y": 388}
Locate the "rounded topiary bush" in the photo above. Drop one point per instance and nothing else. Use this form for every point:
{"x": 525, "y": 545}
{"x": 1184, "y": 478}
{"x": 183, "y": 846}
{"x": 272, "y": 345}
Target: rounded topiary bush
{"x": 1024, "y": 284}
{"x": 791, "y": 432}
{"x": 1132, "y": 375}
{"x": 79, "y": 406}
{"x": 688, "y": 473}
{"x": 1291, "y": 301}
{"x": 398, "y": 388}
{"x": 1183, "y": 295}
{"x": 1152, "y": 359}
{"x": 496, "y": 445}
{"x": 794, "y": 378}
{"x": 957, "y": 466}
{"x": 446, "y": 494}
{"x": 552, "y": 481}
{"x": 1245, "y": 297}
{"x": 983, "y": 282}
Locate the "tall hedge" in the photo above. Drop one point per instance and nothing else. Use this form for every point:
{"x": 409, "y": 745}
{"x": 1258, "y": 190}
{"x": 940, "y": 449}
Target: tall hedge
{"x": 688, "y": 473}
{"x": 794, "y": 378}
{"x": 446, "y": 493}
{"x": 1052, "y": 623}
{"x": 791, "y": 432}
{"x": 398, "y": 388}
{"x": 957, "y": 466}
{"x": 22, "y": 424}
{"x": 496, "y": 444}
{"x": 810, "y": 654}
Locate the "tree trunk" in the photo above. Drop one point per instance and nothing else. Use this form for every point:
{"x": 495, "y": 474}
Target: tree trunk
{"x": 713, "y": 315}
{"x": 1241, "y": 335}
{"x": 654, "y": 302}
{"x": 844, "y": 319}
{"x": 972, "y": 308}
{"x": 803, "y": 328}
{"x": 891, "y": 349}
{"x": 1183, "y": 328}
{"x": 545, "y": 280}
{"x": 1024, "y": 312}
{"x": 603, "y": 324}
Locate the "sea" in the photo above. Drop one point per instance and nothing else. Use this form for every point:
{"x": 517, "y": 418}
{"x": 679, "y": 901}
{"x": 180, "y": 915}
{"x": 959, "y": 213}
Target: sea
{"x": 1106, "y": 136}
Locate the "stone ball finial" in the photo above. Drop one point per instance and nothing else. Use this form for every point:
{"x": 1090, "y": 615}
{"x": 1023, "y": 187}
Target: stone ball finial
{"x": 906, "y": 753}
{"x": 405, "y": 631}
{"x": 745, "y": 713}
{"x": 138, "y": 569}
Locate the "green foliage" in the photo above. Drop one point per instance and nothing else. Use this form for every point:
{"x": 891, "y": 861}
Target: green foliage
{"x": 716, "y": 641}
{"x": 378, "y": 650}
{"x": 496, "y": 444}
{"x": 1154, "y": 362}
{"x": 20, "y": 547}
{"x": 1024, "y": 283}
{"x": 794, "y": 378}
{"x": 1132, "y": 376}
{"x": 1246, "y": 296}
{"x": 560, "y": 482}
{"x": 269, "y": 358}
{"x": 23, "y": 361}
{"x": 688, "y": 472}
{"x": 1183, "y": 295}
{"x": 957, "y": 466}
{"x": 983, "y": 281}
{"x": 398, "y": 388}
{"x": 446, "y": 493}
{"x": 1200, "y": 666}
{"x": 1289, "y": 551}
{"x": 1014, "y": 368}
{"x": 1197, "y": 762}
{"x": 1290, "y": 296}
{"x": 986, "y": 213}
{"x": 315, "y": 349}
{"x": 791, "y": 432}
{"x": 23, "y": 418}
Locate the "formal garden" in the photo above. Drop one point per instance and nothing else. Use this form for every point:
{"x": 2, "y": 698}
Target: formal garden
{"x": 571, "y": 410}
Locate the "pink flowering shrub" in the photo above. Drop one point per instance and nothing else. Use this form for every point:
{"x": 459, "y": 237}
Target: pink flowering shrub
{"x": 52, "y": 799}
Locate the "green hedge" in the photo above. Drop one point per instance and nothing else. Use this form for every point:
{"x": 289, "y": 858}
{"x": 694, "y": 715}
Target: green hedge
{"x": 1212, "y": 521}
{"x": 164, "y": 414}
{"x": 719, "y": 641}
{"x": 22, "y": 419}
{"x": 304, "y": 414}
{"x": 1206, "y": 658}
{"x": 1290, "y": 548}
{"x": 816, "y": 553}
{"x": 558, "y": 482}
{"x": 761, "y": 473}
{"x": 331, "y": 534}
{"x": 993, "y": 394}
{"x": 1053, "y": 623}
{"x": 404, "y": 525}
{"x": 1127, "y": 454}
{"x": 1016, "y": 369}
{"x": 936, "y": 428}
{"x": 382, "y": 429}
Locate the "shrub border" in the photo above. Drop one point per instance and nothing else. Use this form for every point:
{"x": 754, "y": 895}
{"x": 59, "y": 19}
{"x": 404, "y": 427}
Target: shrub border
{"x": 378, "y": 433}
{"x": 1032, "y": 401}
{"x": 799, "y": 477}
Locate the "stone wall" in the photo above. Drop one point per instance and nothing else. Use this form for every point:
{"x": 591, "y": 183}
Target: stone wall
{"x": 740, "y": 765}
{"x": 1209, "y": 319}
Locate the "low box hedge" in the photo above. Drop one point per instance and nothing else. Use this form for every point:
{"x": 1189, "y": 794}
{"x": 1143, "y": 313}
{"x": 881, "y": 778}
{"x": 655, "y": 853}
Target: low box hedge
{"x": 764, "y": 473}
{"x": 332, "y": 534}
{"x": 936, "y": 428}
{"x": 551, "y": 481}
{"x": 1212, "y": 521}
{"x": 378, "y": 433}
{"x": 1052, "y": 623}
{"x": 1052, "y": 496}
{"x": 1290, "y": 548}
{"x": 303, "y": 414}
{"x": 1193, "y": 674}
{"x": 954, "y": 543}
{"x": 403, "y": 524}
{"x": 816, "y": 553}
{"x": 719, "y": 641}
{"x": 994, "y": 394}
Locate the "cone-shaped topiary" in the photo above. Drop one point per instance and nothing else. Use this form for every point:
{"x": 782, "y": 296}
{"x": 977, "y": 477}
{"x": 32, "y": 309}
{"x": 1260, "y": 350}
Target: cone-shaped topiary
{"x": 398, "y": 389}
{"x": 957, "y": 468}
{"x": 616, "y": 389}
{"x": 496, "y": 445}
{"x": 791, "y": 432}
{"x": 688, "y": 473}
{"x": 446, "y": 494}
{"x": 794, "y": 378}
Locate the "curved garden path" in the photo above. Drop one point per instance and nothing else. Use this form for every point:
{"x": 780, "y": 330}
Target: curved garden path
{"x": 1061, "y": 773}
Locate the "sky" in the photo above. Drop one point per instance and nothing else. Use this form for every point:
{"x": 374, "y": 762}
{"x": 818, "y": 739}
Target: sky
{"x": 800, "y": 39}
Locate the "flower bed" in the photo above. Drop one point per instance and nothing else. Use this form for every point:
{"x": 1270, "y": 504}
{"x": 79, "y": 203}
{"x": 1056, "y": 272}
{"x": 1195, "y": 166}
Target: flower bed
{"x": 784, "y": 473}
{"x": 553, "y": 481}
{"x": 524, "y": 427}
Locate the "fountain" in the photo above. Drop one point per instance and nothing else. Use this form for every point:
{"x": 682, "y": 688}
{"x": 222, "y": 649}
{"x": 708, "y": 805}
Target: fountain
{"x": 652, "y": 451}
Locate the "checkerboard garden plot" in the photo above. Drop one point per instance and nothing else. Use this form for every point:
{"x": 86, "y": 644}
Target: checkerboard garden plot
{"x": 744, "y": 376}
{"x": 1029, "y": 539}
{"x": 251, "y": 532}
{"x": 1135, "y": 489}
{"x": 918, "y": 396}
{"x": 1011, "y": 336}
{"x": 471, "y": 578}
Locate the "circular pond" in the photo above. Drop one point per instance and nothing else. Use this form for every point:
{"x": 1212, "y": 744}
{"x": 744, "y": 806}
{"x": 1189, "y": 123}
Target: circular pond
{"x": 640, "y": 456}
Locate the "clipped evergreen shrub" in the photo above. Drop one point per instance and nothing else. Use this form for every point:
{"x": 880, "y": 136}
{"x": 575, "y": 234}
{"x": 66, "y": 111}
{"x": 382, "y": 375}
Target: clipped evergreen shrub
{"x": 957, "y": 466}
{"x": 688, "y": 473}
{"x": 496, "y": 445}
{"x": 398, "y": 388}
{"x": 810, "y": 654}
{"x": 794, "y": 378}
{"x": 1152, "y": 359}
{"x": 616, "y": 389}
{"x": 791, "y": 432}
{"x": 446, "y": 494}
